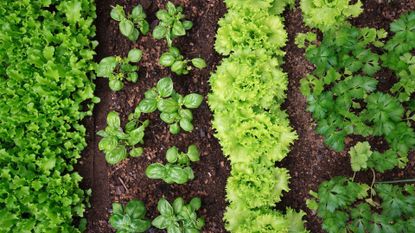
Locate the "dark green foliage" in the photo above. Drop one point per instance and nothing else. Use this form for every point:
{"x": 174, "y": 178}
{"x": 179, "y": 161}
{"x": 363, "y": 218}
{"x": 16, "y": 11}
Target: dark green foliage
{"x": 178, "y": 169}
{"x": 174, "y": 108}
{"x": 179, "y": 217}
{"x": 178, "y": 64}
{"x": 129, "y": 218}
{"x": 131, "y": 25}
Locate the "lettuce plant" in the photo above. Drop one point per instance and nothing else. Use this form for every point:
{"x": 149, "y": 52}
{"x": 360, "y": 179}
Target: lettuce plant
{"x": 117, "y": 144}
{"x": 171, "y": 23}
{"x": 178, "y": 64}
{"x": 131, "y": 25}
{"x": 174, "y": 108}
{"x": 116, "y": 69}
{"x": 179, "y": 217}
{"x": 178, "y": 169}
{"x": 129, "y": 218}
{"x": 327, "y": 14}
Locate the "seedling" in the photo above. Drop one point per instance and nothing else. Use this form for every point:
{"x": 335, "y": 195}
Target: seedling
{"x": 174, "y": 108}
{"x": 178, "y": 64}
{"x": 179, "y": 218}
{"x": 131, "y": 25}
{"x": 172, "y": 23}
{"x": 116, "y": 69}
{"x": 178, "y": 169}
{"x": 129, "y": 219}
{"x": 116, "y": 143}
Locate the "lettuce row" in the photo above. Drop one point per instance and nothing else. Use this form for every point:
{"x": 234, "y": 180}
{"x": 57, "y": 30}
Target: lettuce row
{"x": 46, "y": 64}
{"x": 248, "y": 88}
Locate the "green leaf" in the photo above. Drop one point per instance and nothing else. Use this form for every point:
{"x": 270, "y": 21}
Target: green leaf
{"x": 160, "y": 222}
{"x": 186, "y": 125}
{"x": 147, "y": 105}
{"x": 192, "y": 100}
{"x": 178, "y": 67}
{"x": 113, "y": 120}
{"x": 178, "y": 205}
{"x": 135, "y": 136}
{"x": 126, "y": 27}
{"x": 169, "y": 118}
{"x": 177, "y": 175}
{"x": 117, "y": 221}
{"x": 173, "y": 229}
{"x": 172, "y": 154}
{"x": 106, "y": 67}
{"x": 187, "y": 25}
{"x": 156, "y": 171}
{"x": 360, "y": 154}
{"x": 168, "y": 105}
{"x": 138, "y": 13}
{"x": 117, "y": 208}
{"x": 135, "y": 209}
{"x": 159, "y": 32}
{"x": 117, "y": 13}
{"x": 163, "y": 15}
{"x": 199, "y": 63}
{"x": 174, "y": 128}
{"x": 136, "y": 152}
{"x": 117, "y": 155}
{"x": 193, "y": 153}
{"x": 132, "y": 77}
{"x": 144, "y": 27}
{"x": 116, "y": 85}
{"x": 195, "y": 203}
{"x": 171, "y": 8}
{"x": 178, "y": 29}
{"x": 165, "y": 87}
{"x": 164, "y": 207}
{"x": 186, "y": 113}
{"x": 167, "y": 59}
{"x": 108, "y": 143}
{"x": 135, "y": 55}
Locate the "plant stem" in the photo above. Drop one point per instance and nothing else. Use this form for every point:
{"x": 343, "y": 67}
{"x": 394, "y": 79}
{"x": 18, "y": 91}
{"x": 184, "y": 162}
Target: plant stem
{"x": 396, "y": 181}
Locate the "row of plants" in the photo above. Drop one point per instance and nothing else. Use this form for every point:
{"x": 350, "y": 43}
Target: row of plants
{"x": 119, "y": 141}
{"x": 248, "y": 88}
{"x": 345, "y": 100}
{"x": 46, "y": 64}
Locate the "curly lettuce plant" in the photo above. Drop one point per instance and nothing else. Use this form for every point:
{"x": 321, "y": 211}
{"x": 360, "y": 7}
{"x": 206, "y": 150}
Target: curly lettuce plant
{"x": 117, "y": 144}
{"x": 171, "y": 23}
{"x": 116, "y": 69}
{"x": 178, "y": 64}
{"x": 129, "y": 218}
{"x": 273, "y": 7}
{"x": 178, "y": 169}
{"x": 179, "y": 217}
{"x": 131, "y": 25}
{"x": 327, "y": 14}
{"x": 174, "y": 108}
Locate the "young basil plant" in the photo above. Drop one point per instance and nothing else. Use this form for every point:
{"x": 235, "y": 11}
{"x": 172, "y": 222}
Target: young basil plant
{"x": 178, "y": 169}
{"x": 116, "y": 69}
{"x": 174, "y": 108}
{"x": 129, "y": 219}
{"x": 117, "y": 144}
{"x": 171, "y": 23}
{"x": 179, "y": 217}
{"x": 131, "y": 25}
{"x": 178, "y": 64}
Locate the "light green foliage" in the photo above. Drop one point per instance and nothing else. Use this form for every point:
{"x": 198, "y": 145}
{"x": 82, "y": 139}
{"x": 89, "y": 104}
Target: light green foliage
{"x": 179, "y": 217}
{"x": 132, "y": 24}
{"x": 174, "y": 108}
{"x": 129, "y": 218}
{"x": 171, "y": 23}
{"x": 46, "y": 64}
{"x": 359, "y": 155}
{"x": 248, "y": 88}
{"x": 178, "y": 64}
{"x": 328, "y": 14}
{"x": 116, "y": 69}
{"x": 399, "y": 58}
{"x": 346, "y": 206}
{"x": 117, "y": 144}
{"x": 178, "y": 169}
{"x": 342, "y": 96}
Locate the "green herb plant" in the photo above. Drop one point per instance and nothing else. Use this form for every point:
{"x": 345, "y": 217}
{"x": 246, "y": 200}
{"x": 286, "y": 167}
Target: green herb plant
{"x": 178, "y": 169}
{"x": 131, "y": 25}
{"x": 174, "y": 108}
{"x": 171, "y": 23}
{"x": 117, "y": 144}
{"x": 129, "y": 218}
{"x": 179, "y": 217}
{"x": 116, "y": 69}
{"x": 178, "y": 64}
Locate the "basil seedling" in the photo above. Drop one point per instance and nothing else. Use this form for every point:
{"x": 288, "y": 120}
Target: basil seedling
{"x": 116, "y": 69}
{"x": 178, "y": 169}
{"x": 172, "y": 23}
{"x": 179, "y": 217}
{"x": 174, "y": 108}
{"x": 129, "y": 219}
{"x": 115, "y": 142}
{"x": 131, "y": 25}
{"x": 178, "y": 64}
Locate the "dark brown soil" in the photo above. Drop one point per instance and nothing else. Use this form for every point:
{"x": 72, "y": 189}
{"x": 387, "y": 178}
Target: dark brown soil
{"x": 310, "y": 161}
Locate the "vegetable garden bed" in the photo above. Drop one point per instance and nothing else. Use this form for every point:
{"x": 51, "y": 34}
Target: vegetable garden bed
{"x": 237, "y": 148}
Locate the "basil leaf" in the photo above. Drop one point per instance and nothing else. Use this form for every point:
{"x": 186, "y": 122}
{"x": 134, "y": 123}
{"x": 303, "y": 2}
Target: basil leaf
{"x": 186, "y": 113}
{"x": 147, "y": 105}
{"x": 193, "y": 153}
{"x": 167, "y": 105}
{"x": 192, "y": 100}
{"x": 108, "y": 143}
{"x": 136, "y": 152}
{"x": 138, "y": 13}
{"x": 178, "y": 204}
{"x": 135, "y": 55}
{"x": 167, "y": 59}
{"x": 126, "y": 27}
{"x": 132, "y": 77}
{"x": 116, "y": 85}
{"x": 159, "y": 32}
{"x": 169, "y": 118}
{"x": 113, "y": 120}
{"x": 165, "y": 87}
{"x": 195, "y": 203}
{"x": 178, "y": 67}
{"x": 186, "y": 125}
{"x": 187, "y": 25}
{"x": 178, "y": 29}
{"x": 135, "y": 209}
{"x": 163, "y": 15}
{"x": 156, "y": 171}
{"x": 174, "y": 128}
{"x": 160, "y": 222}
{"x": 199, "y": 63}
{"x": 178, "y": 175}
{"x": 144, "y": 27}
{"x": 117, "y": 208}
{"x": 117, "y": 13}
{"x": 164, "y": 207}
{"x": 106, "y": 67}
{"x": 117, "y": 155}
{"x": 172, "y": 154}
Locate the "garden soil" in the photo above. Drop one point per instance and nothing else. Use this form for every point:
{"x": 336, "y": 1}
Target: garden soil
{"x": 310, "y": 162}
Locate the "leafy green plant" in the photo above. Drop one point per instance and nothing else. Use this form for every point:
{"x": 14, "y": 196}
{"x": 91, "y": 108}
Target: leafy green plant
{"x": 179, "y": 217}
{"x": 178, "y": 64}
{"x": 347, "y": 206}
{"x": 178, "y": 169}
{"x": 117, "y": 144}
{"x": 131, "y": 25}
{"x": 174, "y": 108}
{"x": 328, "y": 14}
{"x": 116, "y": 69}
{"x": 129, "y": 218}
{"x": 171, "y": 23}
